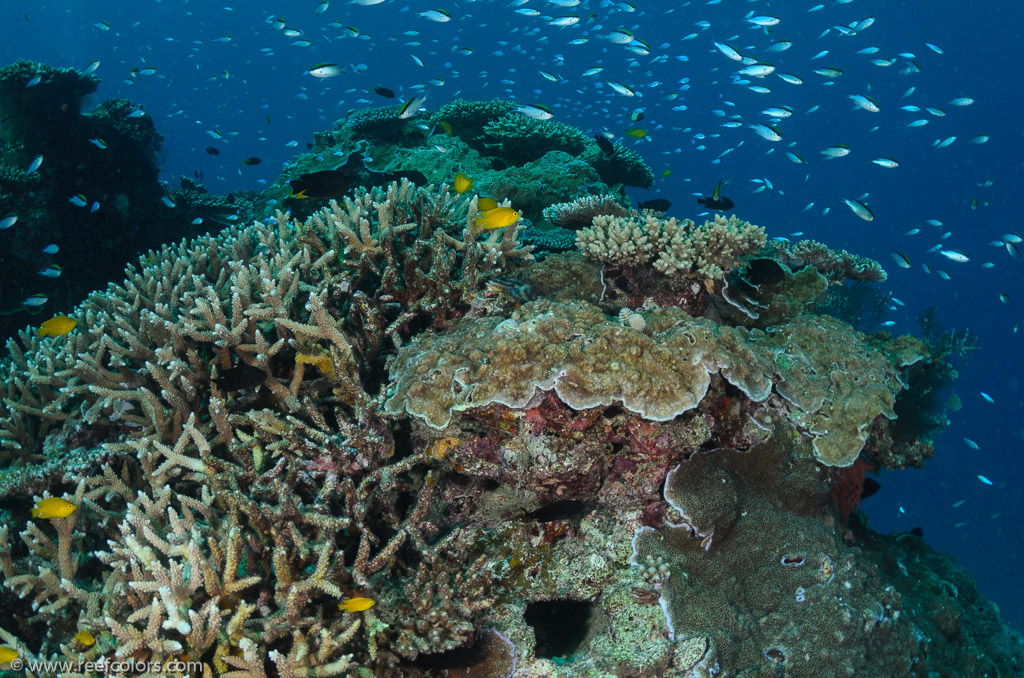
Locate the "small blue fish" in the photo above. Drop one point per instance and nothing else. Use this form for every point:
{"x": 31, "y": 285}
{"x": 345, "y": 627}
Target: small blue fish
{"x": 985, "y": 480}
{"x": 51, "y": 271}
{"x": 78, "y": 200}
{"x": 34, "y": 165}
{"x": 137, "y": 113}
{"x": 51, "y": 249}
{"x": 9, "y": 220}
{"x": 35, "y": 301}
{"x": 98, "y": 143}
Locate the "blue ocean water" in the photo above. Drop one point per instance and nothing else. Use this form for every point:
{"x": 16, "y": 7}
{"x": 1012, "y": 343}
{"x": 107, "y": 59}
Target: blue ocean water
{"x": 226, "y": 75}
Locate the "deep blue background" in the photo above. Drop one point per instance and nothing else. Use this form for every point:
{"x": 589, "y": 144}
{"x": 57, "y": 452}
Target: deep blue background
{"x": 253, "y": 89}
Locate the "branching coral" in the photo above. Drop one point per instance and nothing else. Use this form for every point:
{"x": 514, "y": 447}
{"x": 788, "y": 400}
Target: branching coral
{"x": 215, "y": 523}
{"x": 678, "y": 248}
{"x": 193, "y": 566}
{"x": 369, "y": 271}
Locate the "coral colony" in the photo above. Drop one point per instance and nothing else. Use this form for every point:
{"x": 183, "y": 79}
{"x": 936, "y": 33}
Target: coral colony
{"x": 374, "y": 437}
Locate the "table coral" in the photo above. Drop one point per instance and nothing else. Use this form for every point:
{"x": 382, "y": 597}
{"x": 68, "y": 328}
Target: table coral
{"x": 835, "y": 381}
{"x": 580, "y": 212}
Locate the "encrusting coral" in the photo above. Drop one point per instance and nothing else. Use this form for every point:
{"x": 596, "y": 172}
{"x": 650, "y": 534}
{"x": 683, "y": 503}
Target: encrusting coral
{"x": 390, "y": 405}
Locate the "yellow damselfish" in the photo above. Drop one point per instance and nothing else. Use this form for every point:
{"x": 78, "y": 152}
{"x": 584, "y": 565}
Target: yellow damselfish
{"x": 463, "y": 183}
{"x": 7, "y": 655}
{"x": 357, "y": 604}
{"x": 499, "y": 217}
{"x": 637, "y": 133}
{"x": 57, "y": 326}
{"x": 484, "y": 204}
{"x": 54, "y": 507}
{"x": 85, "y": 638}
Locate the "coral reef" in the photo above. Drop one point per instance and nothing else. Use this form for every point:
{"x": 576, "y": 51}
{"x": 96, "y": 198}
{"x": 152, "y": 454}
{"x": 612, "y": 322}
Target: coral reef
{"x": 678, "y": 248}
{"x": 658, "y": 365}
{"x": 613, "y": 463}
{"x": 803, "y": 591}
{"x": 534, "y": 163}
{"x": 94, "y": 204}
{"x": 580, "y": 212}
{"x": 836, "y": 265}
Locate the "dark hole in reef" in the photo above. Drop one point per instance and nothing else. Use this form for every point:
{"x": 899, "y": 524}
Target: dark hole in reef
{"x": 401, "y": 431}
{"x": 374, "y": 378}
{"x": 491, "y": 656}
{"x": 420, "y": 323}
{"x": 564, "y": 509}
{"x": 460, "y": 657}
{"x": 612, "y": 411}
{"x": 559, "y": 625}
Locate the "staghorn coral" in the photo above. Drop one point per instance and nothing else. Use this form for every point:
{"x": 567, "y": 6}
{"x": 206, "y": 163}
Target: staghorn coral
{"x": 678, "y": 248}
{"x": 146, "y": 354}
{"x": 193, "y": 567}
{"x": 184, "y": 561}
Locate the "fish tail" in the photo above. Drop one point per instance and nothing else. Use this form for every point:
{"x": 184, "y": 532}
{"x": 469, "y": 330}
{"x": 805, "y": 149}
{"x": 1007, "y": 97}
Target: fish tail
{"x": 36, "y": 512}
